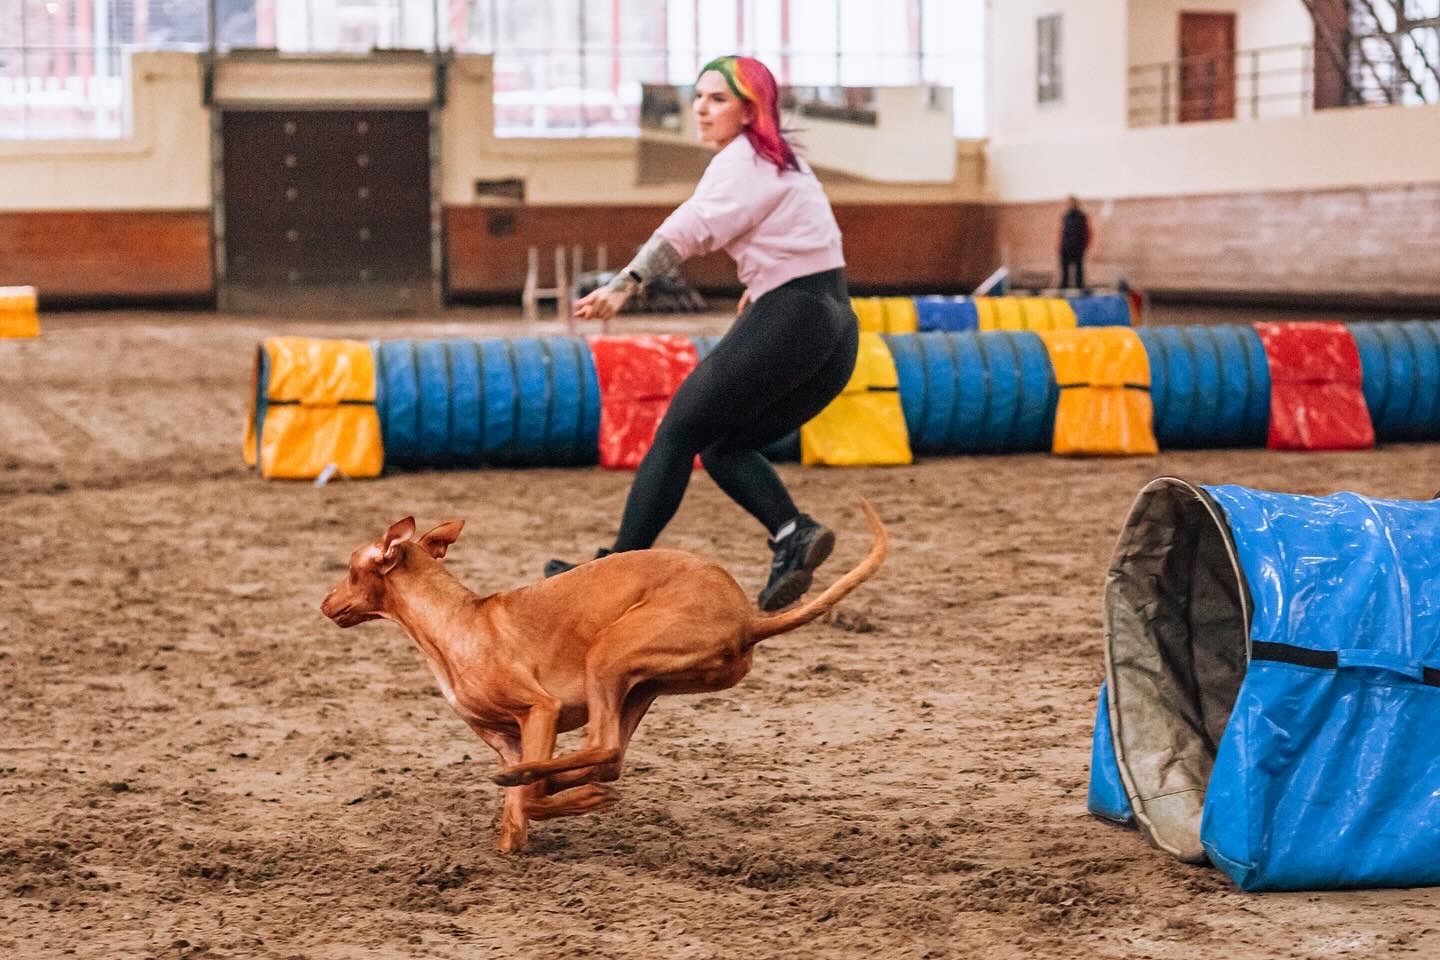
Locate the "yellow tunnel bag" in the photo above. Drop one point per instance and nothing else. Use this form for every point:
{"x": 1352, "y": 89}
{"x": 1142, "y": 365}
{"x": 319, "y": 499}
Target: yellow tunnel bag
{"x": 1104, "y": 379}
{"x": 865, "y": 425}
{"x": 900, "y": 315}
{"x": 870, "y": 312}
{"x": 317, "y": 408}
{"x": 19, "y": 312}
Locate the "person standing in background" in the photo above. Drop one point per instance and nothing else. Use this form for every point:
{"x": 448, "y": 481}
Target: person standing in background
{"x": 1074, "y": 241}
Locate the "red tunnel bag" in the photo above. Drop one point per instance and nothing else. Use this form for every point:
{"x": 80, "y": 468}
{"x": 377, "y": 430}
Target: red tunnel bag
{"x": 1316, "y": 397}
{"x": 638, "y": 375}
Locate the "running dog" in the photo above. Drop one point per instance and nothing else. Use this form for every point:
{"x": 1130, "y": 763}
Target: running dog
{"x": 595, "y": 645}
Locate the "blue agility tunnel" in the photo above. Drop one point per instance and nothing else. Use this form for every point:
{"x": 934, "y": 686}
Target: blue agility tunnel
{"x": 975, "y": 392}
{"x": 952, "y": 314}
{"x": 1209, "y": 386}
{"x": 1273, "y": 685}
{"x": 1401, "y": 367}
{"x": 1104, "y": 310}
{"x": 503, "y": 402}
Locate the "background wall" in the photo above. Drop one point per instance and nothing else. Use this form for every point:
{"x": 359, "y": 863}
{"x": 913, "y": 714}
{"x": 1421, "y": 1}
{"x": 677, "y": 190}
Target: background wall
{"x": 1338, "y": 206}
{"x": 127, "y": 218}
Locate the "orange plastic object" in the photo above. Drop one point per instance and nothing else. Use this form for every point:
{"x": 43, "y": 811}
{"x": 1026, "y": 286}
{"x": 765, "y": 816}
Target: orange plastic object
{"x": 1104, "y": 379}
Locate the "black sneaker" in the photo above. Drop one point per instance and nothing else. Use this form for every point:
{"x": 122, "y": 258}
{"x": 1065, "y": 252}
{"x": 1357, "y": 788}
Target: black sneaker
{"x": 554, "y": 568}
{"x": 796, "y": 558}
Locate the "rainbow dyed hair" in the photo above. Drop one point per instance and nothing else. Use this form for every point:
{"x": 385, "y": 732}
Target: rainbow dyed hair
{"x": 752, "y": 81}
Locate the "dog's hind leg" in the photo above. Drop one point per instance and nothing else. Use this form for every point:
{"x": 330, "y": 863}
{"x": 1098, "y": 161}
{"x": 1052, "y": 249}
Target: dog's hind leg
{"x": 604, "y": 695}
{"x": 570, "y": 803}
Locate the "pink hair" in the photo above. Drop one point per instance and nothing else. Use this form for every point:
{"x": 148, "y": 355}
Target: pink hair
{"x": 752, "y": 81}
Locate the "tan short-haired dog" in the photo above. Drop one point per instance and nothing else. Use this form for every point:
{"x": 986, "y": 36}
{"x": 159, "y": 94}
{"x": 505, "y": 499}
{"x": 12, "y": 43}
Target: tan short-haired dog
{"x": 595, "y": 645}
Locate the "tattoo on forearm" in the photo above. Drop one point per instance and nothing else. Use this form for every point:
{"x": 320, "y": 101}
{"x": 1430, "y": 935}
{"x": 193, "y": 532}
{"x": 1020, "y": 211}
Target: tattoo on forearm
{"x": 657, "y": 257}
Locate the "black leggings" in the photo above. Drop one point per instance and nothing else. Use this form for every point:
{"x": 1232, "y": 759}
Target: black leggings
{"x": 787, "y": 356}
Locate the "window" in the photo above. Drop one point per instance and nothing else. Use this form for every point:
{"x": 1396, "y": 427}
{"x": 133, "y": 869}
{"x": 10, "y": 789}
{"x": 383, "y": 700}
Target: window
{"x": 1048, "y": 61}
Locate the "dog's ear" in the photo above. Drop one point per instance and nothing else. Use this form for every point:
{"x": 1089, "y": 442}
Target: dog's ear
{"x": 399, "y": 532}
{"x": 437, "y": 541}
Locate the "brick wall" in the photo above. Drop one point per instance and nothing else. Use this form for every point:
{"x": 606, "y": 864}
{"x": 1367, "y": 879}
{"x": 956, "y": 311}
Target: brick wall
{"x": 1360, "y": 246}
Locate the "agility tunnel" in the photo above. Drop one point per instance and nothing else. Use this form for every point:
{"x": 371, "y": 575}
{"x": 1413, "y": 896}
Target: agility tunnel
{"x": 1113, "y": 390}
{"x": 926, "y": 314}
{"x": 1272, "y": 685}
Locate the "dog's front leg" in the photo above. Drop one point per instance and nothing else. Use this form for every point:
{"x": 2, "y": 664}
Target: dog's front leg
{"x": 514, "y": 824}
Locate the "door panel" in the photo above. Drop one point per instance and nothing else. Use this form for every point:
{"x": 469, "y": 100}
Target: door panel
{"x": 1207, "y": 66}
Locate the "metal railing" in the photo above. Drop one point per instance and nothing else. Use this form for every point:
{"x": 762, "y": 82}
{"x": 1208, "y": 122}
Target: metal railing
{"x": 1262, "y": 82}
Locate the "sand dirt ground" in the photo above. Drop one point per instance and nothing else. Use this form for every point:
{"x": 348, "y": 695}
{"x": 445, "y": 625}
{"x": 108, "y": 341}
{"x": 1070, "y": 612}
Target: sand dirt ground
{"x": 195, "y": 763}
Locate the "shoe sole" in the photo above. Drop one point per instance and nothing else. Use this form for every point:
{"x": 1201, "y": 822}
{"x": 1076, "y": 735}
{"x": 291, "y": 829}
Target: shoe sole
{"x": 794, "y": 584}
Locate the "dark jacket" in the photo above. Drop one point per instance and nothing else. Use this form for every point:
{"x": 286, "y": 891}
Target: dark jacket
{"x": 1074, "y": 233}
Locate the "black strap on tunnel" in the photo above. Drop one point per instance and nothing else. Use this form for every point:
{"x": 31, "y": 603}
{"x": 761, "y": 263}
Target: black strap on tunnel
{"x": 342, "y": 403}
{"x": 1142, "y": 387}
{"x": 1320, "y": 659}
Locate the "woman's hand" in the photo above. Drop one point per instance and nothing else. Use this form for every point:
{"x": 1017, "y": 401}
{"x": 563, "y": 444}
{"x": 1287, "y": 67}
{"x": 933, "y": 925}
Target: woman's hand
{"x": 744, "y": 302}
{"x": 601, "y": 304}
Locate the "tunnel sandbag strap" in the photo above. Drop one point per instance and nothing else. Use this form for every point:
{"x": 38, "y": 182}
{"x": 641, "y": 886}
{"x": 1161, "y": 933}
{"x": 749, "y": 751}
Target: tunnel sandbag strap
{"x": 1400, "y": 363}
{"x": 315, "y": 406}
{"x": 1103, "y": 375}
{"x": 1106, "y": 797}
{"x": 865, "y": 425}
{"x": 1317, "y": 400}
{"x": 1209, "y": 385}
{"x": 900, "y": 315}
{"x": 638, "y": 375}
{"x": 19, "y": 313}
{"x": 953, "y": 314}
{"x": 870, "y": 313}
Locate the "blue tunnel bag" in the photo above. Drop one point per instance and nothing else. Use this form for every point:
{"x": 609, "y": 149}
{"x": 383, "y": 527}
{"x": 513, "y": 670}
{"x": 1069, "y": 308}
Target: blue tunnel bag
{"x": 1273, "y": 685}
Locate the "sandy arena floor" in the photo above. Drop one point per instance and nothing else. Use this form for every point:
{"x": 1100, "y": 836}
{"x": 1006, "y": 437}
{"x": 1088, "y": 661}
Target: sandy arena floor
{"x": 195, "y": 763}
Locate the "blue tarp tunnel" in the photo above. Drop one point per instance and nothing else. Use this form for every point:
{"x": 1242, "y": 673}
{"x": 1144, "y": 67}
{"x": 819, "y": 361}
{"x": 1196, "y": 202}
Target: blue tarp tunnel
{"x": 1273, "y": 685}
{"x": 975, "y": 392}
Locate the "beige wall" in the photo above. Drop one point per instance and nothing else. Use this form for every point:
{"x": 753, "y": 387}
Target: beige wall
{"x": 1376, "y": 146}
{"x": 1084, "y": 144}
{"x": 163, "y": 165}
{"x": 1094, "y": 71}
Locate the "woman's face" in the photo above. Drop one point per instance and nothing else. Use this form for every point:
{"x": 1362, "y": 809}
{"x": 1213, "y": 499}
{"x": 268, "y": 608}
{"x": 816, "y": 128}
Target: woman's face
{"x": 720, "y": 116}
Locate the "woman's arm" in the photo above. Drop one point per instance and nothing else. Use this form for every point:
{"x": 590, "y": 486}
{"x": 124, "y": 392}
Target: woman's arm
{"x": 655, "y": 258}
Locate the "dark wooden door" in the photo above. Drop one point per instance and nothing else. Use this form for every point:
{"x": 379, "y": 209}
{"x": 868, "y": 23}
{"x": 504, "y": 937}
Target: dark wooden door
{"x": 336, "y": 199}
{"x": 1207, "y": 66}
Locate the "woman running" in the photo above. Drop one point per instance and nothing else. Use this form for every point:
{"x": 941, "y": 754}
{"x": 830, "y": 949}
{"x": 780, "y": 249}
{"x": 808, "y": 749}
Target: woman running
{"x": 791, "y": 349}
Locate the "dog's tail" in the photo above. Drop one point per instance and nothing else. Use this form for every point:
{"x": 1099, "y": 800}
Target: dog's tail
{"x": 763, "y": 627}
